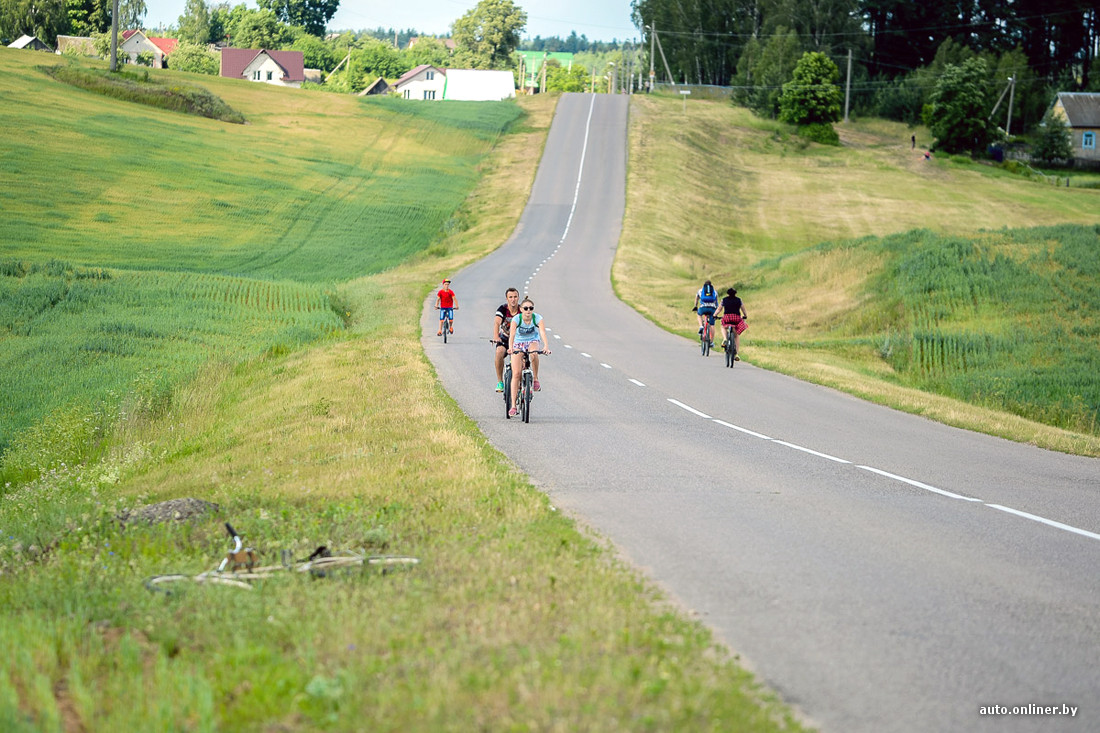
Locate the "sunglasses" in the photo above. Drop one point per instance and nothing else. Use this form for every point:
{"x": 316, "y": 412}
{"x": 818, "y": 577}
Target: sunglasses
{"x": 527, "y": 308}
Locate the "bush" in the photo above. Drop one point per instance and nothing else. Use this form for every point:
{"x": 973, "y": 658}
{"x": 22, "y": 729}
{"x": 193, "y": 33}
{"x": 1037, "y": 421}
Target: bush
{"x": 820, "y": 132}
{"x": 145, "y": 89}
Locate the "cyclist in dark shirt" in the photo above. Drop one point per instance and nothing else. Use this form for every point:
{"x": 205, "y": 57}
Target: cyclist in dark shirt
{"x": 502, "y": 329}
{"x": 733, "y": 314}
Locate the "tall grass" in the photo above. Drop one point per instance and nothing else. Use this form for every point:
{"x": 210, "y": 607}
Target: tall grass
{"x": 1008, "y": 320}
{"x": 72, "y": 337}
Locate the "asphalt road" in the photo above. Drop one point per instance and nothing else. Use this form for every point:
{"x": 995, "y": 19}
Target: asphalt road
{"x": 882, "y": 572}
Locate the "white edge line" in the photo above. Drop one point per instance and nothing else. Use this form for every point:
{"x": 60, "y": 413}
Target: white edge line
{"x": 919, "y": 485}
{"x": 586, "y": 356}
{"x": 1043, "y": 520}
{"x": 811, "y": 452}
{"x": 743, "y": 430}
{"x": 605, "y": 366}
{"x": 689, "y": 409}
{"x": 635, "y": 381}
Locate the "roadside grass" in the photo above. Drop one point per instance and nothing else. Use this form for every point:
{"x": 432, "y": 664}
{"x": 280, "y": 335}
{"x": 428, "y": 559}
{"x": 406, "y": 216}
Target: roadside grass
{"x": 514, "y": 620}
{"x": 804, "y": 233}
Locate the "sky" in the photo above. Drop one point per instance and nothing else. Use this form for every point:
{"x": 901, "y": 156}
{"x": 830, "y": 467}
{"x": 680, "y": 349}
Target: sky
{"x": 599, "y": 20}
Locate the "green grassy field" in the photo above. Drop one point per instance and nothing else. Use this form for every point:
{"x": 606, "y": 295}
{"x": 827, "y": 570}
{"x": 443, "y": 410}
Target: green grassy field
{"x": 310, "y": 417}
{"x": 948, "y": 288}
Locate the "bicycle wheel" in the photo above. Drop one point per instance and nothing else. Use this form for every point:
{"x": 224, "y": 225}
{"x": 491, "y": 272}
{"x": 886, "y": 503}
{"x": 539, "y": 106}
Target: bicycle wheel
{"x": 507, "y": 391}
{"x": 528, "y": 392}
{"x": 446, "y": 328}
{"x": 165, "y": 583}
{"x": 704, "y": 341}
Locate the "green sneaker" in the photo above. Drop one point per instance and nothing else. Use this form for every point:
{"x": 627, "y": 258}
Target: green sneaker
{"x": 500, "y": 386}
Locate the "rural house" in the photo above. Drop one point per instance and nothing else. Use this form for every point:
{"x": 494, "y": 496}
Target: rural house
{"x": 430, "y": 82}
{"x": 1080, "y": 111}
{"x": 281, "y": 68}
{"x": 423, "y": 82}
{"x": 133, "y": 43}
{"x": 30, "y": 43}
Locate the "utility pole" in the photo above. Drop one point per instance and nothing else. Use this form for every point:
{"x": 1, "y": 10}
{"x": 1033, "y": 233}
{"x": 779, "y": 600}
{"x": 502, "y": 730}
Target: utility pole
{"x": 848, "y": 86}
{"x": 652, "y": 39}
{"x": 114, "y": 36}
{"x": 1011, "y": 94}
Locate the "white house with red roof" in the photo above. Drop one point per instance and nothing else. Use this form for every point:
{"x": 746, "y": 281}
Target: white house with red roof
{"x": 281, "y": 68}
{"x": 136, "y": 42}
{"x": 431, "y": 82}
{"x": 423, "y": 82}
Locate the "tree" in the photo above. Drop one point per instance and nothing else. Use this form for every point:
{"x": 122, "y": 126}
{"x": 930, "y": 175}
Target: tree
{"x": 315, "y": 53}
{"x": 812, "y": 95}
{"x": 258, "y": 29}
{"x": 196, "y": 58}
{"x": 561, "y": 79}
{"x": 1054, "y": 144}
{"x": 377, "y": 58}
{"x": 763, "y": 69}
{"x": 486, "y": 36}
{"x": 194, "y": 24}
{"x": 44, "y": 19}
{"x": 131, "y": 13}
{"x": 428, "y": 50}
{"x": 957, "y": 110}
{"x": 313, "y": 15}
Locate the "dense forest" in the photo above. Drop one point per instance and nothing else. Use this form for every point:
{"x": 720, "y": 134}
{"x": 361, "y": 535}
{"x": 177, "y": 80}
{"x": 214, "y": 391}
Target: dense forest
{"x": 898, "y": 47}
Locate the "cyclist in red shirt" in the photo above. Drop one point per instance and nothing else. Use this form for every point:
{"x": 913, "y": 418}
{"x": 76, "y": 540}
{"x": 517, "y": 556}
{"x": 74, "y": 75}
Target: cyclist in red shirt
{"x": 447, "y": 304}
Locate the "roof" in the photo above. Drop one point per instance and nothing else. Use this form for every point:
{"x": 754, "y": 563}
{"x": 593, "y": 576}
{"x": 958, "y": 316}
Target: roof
{"x": 380, "y": 86}
{"x": 166, "y": 45}
{"x": 413, "y": 72}
{"x": 83, "y": 44}
{"x": 236, "y": 60}
{"x": 479, "y": 85}
{"x": 1082, "y": 108}
{"x": 26, "y": 41}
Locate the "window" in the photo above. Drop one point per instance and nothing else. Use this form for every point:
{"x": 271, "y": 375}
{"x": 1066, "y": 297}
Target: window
{"x": 429, "y": 75}
{"x": 429, "y": 94}
{"x": 406, "y": 94}
{"x": 1088, "y": 140}
{"x": 256, "y": 75}
{"x": 269, "y": 76}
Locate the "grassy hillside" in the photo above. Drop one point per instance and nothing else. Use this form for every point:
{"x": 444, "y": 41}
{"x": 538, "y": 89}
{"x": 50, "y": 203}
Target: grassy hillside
{"x": 338, "y": 435}
{"x": 944, "y": 287}
{"x": 193, "y": 229}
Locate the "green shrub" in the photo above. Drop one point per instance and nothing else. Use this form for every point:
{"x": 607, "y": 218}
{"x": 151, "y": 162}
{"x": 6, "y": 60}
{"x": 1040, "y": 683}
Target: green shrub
{"x": 820, "y": 132}
{"x": 146, "y": 89}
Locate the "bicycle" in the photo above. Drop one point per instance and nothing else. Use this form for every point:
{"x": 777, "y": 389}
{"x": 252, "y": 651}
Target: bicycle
{"x": 730, "y": 346}
{"x": 526, "y": 387}
{"x": 241, "y": 564}
{"x": 446, "y": 323}
{"x": 706, "y": 336}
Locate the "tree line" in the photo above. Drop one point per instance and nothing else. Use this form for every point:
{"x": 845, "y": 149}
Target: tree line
{"x": 899, "y": 48}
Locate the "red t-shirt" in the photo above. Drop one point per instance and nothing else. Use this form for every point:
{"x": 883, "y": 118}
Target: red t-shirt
{"x": 446, "y": 298}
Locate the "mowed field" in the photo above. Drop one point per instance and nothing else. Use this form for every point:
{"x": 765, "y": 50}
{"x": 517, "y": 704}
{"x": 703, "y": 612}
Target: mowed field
{"x": 944, "y": 287}
{"x": 247, "y": 356}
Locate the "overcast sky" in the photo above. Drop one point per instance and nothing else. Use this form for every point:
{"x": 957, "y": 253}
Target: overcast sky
{"x": 599, "y": 20}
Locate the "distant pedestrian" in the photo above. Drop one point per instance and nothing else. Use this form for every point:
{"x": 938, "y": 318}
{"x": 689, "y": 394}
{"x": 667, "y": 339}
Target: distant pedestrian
{"x": 914, "y": 139}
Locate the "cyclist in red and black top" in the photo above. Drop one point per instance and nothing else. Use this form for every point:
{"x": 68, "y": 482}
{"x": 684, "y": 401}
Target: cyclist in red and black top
{"x": 502, "y": 329}
{"x": 446, "y": 302}
{"x": 733, "y": 314}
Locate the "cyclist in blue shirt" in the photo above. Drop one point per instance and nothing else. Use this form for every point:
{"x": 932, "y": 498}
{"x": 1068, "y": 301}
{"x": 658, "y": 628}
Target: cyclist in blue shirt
{"x": 706, "y": 303}
{"x": 528, "y": 334}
